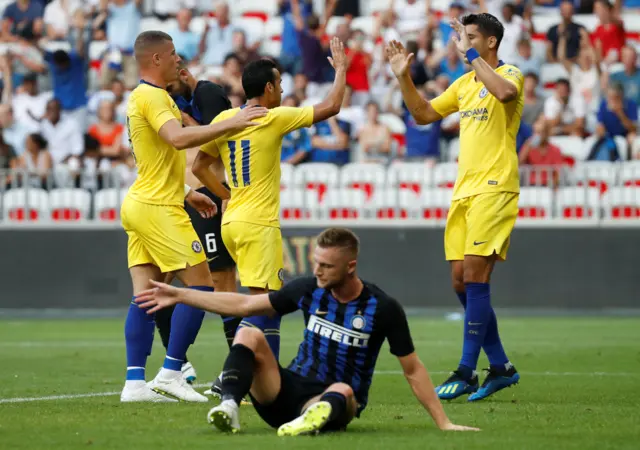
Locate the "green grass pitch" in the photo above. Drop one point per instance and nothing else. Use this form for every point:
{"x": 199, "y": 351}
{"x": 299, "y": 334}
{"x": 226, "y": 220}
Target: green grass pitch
{"x": 579, "y": 390}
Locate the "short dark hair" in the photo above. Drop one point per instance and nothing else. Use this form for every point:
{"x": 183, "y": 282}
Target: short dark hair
{"x": 295, "y": 99}
{"x": 339, "y": 237}
{"x": 563, "y": 81}
{"x": 39, "y": 140}
{"x": 61, "y": 58}
{"x": 231, "y": 56}
{"x": 618, "y": 88}
{"x": 256, "y": 76}
{"x": 148, "y": 39}
{"x": 488, "y": 25}
{"x": 532, "y": 75}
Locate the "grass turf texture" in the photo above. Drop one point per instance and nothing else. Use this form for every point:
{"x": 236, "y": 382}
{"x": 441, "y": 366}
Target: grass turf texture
{"x": 563, "y": 402}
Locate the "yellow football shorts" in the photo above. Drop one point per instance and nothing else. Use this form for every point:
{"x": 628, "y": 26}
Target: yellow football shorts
{"x": 480, "y": 225}
{"x": 257, "y": 251}
{"x": 160, "y": 235}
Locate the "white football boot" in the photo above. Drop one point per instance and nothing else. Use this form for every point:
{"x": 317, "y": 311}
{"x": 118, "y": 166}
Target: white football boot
{"x": 189, "y": 373}
{"x": 225, "y": 417}
{"x": 142, "y": 393}
{"x": 176, "y": 387}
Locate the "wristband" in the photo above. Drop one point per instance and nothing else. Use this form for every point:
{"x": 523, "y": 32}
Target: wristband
{"x": 472, "y": 54}
{"x": 187, "y": 189}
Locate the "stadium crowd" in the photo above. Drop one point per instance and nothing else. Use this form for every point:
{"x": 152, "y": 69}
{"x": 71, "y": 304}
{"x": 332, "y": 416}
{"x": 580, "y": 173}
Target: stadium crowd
{"x": 67, "y": 70}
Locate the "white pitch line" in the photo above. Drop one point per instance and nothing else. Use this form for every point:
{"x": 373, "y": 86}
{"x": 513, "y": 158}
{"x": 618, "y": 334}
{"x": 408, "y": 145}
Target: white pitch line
{"x": 378, "y": 372}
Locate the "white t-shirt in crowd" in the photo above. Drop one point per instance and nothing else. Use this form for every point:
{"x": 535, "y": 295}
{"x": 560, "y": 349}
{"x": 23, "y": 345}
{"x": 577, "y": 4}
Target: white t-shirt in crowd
{"x": 171, "y": 7}
{"x": 57, "y": 17}
{"x": 586, "y": 84}
{"x": 575, "y": 109}
{"x": 27, "y": 109}
{"x": 411, "y": 17}
{"x": 64, "y": 138}
{"x": 513, "y": 32}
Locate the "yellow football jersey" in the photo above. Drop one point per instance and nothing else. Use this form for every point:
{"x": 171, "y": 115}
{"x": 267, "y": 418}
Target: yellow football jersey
{"x": 160, "y": 166}
{"x": 251, "y": 160}
{"x": 488, "y": 161}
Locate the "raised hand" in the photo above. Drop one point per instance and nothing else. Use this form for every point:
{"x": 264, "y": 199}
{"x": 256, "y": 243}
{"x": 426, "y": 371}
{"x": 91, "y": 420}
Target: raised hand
{"x": 398, "y": 58}
{"x": 463, "y": 44}
{"x": 338, "y": 58}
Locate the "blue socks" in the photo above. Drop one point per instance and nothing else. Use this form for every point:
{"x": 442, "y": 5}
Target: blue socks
{"x": 271, "y": 329}
{"x": 476, "y": 321}
{"x": 492, "y": 345}
{"x": 139, "y": 328}
{"x": 185, "y": 325}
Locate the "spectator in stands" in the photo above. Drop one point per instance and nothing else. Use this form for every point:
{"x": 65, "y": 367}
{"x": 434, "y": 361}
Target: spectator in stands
{"x": 116, "y": 94}
{"x": 296, "y": 146}
{"x": 456, "y": 10}
{"x": 537, "y": 151}
{"x": 422, "y": 141}
{"x": 524, "y": 133}
{"x": 8, "y": 159}
{"x": 236, "y": 100}
{"x": 123, "y": 26}
{"x": 330, "y": 142}
{"x": 609, "y": 36}
{"x": 314, "y": 53}
{"x": 584, "y": 73}
{"x": 411, "y": 15}
{"x": 26, "y": 57}
{"x": 447, "y": 62}
{"x": 57, "y": 18}
{"x": 108, "y": 133}
{"x": 526, "y": 61}
{"x": 567, "y": 28}
{"x": 166, "y": 9}
{"x": 217, "y": 40}
{"x": 354, "y": 115}
{"x": 29, "y": 105}
{"x": 80, "y": 24}
{"x": 36, "y": 161}
{"x": 300, "y": 84}
{"x": 290, "y": 54}
{"x": 565, "y": 113}
{"x": 617, "y": 117}
{"x": 533, "y": 102}
{"x": 231, "y": 78}
{"x": 13, "y": 133}
{"x": 347, "y": 8}
{"x": 358, "y": 72}
{"x": 418, "y": 70}
{"x": 21, "y": 16}
{"x": 514, "y": 31}
{"x": 68, "y": 73}
{"x": 63, "y": 134}
{"x": 185, "y": 41}
{"x": 245, "y": 53}
{"x": 375, "y": 137}
{"x": 629, "y": 77}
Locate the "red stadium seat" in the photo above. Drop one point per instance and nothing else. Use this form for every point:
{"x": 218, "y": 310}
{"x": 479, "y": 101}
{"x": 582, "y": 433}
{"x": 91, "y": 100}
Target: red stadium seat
{"x": 69, "y": 205}
{"x": 409, "y": 176}
{"x": 368, "y": 177}
{"x": 622, "y": 203}
{"x": 535, "y": 203}
{"x": 29, "y": 205}
{"x": 578, "y": 203}
{"x": 106, "y": 204}
{"x": 345, "y": 203}
{"x": 596, "y": 174}
{"x": 445, "y": 174}
{"x": 435, "y": 203}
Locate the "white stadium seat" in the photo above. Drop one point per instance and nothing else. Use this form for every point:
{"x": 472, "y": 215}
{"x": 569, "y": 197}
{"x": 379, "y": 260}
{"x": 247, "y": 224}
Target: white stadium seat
{"x": 454, "y": 150}
{"x": 535, "y": 203}
{"x": 578, "y": 203}
{"x": 273, "y": 28}
{"x": 293, "y": 205}
{"x": 598, "y": 174}
{"x": 253, "y": 28}
{"x": 286, "y": 176}
{"x": 630, "y": 173}
{"x": 150, "y": 23}
{"x": 97, "y": 50}
{"x": 393, "y": 122}
{"x": 254, "y": 8}
{"x": 542, "y": 22}
{"x": 369, "y": 177}
{"x": 26, "y": 205}
{"x": 572, "y": 146}
{"x": 69, "y": 205}
{"x": 365, "y": 24}
{"x": 435, "y": 203}
{"x": 414, "y": 177}
{"x": 590, "y": 21}
{"x": 318, "y": 177}
{"x": 445, "y": 174}
{"x": 370, "y": 7}
{"x": 395, "y": 204}
{"x": 345, "y": 203}
{"x": 622, "y": 203}
{"x": 106, "y": 204}
{"x": 333, "y": 24}
{"x": 271, "y": 48}
{"x": 550, "y": 73}
{"x": 198, "y": 24}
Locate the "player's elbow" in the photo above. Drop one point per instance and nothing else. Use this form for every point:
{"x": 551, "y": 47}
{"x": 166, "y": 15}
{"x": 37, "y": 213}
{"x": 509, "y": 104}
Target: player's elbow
{"x": 507, "y": 94}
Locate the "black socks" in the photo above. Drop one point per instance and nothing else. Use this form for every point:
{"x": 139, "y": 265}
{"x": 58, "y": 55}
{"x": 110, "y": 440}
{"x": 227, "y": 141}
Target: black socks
{"x": 237, "y": 374}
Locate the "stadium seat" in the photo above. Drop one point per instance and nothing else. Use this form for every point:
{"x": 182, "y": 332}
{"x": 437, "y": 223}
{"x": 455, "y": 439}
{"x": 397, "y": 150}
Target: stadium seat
{"x": 271, "y": 48}
{"x": 571, "y": 146}
{"x": 69, "y": 205}
{"x": 261, "y": 9}
{"x": 598, "y": 174}
{"x": 106, "y": 204}
{"x": 622, "y": 203}
{"x": 445, "y": 174}
{"x": 630, "y": 173}
{"x": 578, "y": 203}
{"x": 30, "y": 204}
{"x": 150, "y": 23}
{"x": 590, "y": 21}
{"x": 318, "y": 177}
{"x": 542, "y": 22}
{"x": 345, "y": 203}
{"x": 293, "y": 205}
{"x": 333, "y": 23}
{"x": 198, "y": 24}
{"x": 395, "y": 203}
{"x": 623, "y": 147}
{"x": 273, "y": 28}
{"x": 414, "y": 177}
{"x": 632, "y": 23}
{"x": 550, "y": 73}
{"x": 454, "y": 150}
{"x": 286, "y": 176}
{"x": 253, "y": 28}
{"x": 372, "y": 7}
{"x": 434, "y": 203}
{"x": 365, "y": 24}
{"x": 97, "y": 50}
{"x": 368, "y": 177}
{"x": 535, "y": 203}
{"x": 396, "y": 126}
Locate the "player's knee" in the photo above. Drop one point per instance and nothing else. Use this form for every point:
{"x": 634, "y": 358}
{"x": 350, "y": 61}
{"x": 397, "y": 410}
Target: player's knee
{"x": 458, "y": 284}
{"x": 252, "y": 338}
{"x": 342, "y": 388}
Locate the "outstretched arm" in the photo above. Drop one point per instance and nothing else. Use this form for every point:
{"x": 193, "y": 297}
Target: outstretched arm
{"x": 331, "y": 105}
{"x": 418, "y": 378}
{"x": 223, "y": 303}
{"x": 400, "y": 61}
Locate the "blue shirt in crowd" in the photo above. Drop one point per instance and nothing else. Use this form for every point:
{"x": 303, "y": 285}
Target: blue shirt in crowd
{"x": 18, "y": 17}
{"x": 186, "y": 43}
{"x": 69, "y": 84}
{"x": 123, "y": 25}
{"x": 295, "y": 141}
{"x": 631, "y": 83}
{"x": 339, "y": 157}
{"x": 290, "y": 46}
{"x": 612, "y": 122}
{"x": 423, "y": 141}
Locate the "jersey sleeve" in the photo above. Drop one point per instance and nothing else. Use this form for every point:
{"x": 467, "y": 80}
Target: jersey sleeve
{"x": 286, "y": 300}
{"x": 211, "y": 101}
{"x": 514, "y": 75}
{"x": 211, "y": 148}
{"x": 447, "y": 102}
{"x": 157, "y": 109}
{"x": 398, "y": 334}
{"x": 289, "y": 119}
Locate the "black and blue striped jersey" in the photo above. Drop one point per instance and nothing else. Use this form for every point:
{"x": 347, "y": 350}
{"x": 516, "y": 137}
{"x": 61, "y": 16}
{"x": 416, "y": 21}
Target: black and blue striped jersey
{"x": 342, "y": 340}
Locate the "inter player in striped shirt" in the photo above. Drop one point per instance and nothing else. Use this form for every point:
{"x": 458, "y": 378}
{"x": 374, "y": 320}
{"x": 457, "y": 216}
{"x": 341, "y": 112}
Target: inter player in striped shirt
{"x": 327, "y": 384}
{"x": 485, "y": 197}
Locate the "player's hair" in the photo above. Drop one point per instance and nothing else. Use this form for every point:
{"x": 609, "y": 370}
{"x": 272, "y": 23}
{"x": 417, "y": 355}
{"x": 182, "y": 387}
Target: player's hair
{"x": 256, "y": 76}
{"x": 339, "y": 237}
{"x": 149, "y": 39}
{"x": 487, "y": 25}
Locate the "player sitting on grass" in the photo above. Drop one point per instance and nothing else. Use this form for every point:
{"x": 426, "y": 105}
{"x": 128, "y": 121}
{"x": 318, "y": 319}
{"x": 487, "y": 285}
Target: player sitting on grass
{"x": 327, "y": 384}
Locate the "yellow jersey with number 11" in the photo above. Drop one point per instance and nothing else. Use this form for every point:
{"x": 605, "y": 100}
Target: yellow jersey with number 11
{"x": 488, "y": 161}
{"x": 161, "y": 166}
{"x": 251, "y": 160}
